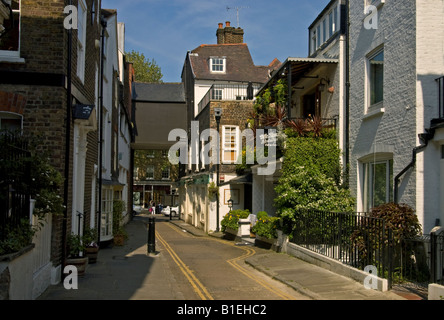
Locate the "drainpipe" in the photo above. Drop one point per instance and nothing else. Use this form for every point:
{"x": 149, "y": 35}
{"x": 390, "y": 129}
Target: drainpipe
{"x": 100, "y": 107}
{"x": 67, "y": 142}
{"x": 425, "y": 138}
{"x": 347, "y": 93}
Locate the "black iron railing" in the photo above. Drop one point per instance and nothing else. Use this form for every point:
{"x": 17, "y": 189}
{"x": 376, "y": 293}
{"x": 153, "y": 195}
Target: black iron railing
{"x": 361, "y": 241}
{"x": 14, "y": 181}
{"x": 354, "y": 239}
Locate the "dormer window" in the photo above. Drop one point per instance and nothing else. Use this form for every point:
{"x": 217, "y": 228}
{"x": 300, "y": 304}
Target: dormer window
{"x": 217, "y": 64}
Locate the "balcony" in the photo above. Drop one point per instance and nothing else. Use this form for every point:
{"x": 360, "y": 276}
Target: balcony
{"x": 229, "y": 92}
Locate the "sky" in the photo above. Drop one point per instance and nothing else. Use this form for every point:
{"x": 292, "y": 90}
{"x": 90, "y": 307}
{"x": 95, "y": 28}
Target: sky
{"x": 165, "y": 30}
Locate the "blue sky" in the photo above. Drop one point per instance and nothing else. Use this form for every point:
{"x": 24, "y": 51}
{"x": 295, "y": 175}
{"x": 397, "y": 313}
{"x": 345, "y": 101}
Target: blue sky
{"x": 164, "y": 30}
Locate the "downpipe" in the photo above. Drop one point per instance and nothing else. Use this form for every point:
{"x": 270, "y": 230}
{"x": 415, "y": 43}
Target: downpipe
{"x": 425, "y": 138}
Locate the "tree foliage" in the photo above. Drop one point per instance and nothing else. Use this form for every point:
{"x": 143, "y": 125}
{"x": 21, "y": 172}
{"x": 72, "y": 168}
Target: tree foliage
{"x": 146, "y": 70}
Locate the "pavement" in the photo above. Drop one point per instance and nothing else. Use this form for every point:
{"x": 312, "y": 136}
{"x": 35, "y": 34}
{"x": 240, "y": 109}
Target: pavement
{"x": 316, "y": 283}
{"x": 130, "y": 273}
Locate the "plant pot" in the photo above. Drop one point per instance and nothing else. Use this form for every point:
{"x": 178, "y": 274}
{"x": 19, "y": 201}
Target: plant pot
{"x": 79, "y": 263}
{"x": 119, "y": 239}
{"x": 92, "y": 254}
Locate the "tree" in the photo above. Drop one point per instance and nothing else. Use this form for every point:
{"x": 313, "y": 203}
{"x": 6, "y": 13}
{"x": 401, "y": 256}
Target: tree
{"x": 146, "y": 70}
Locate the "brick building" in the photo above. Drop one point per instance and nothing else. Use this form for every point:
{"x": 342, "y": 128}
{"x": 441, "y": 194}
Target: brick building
{"x": 52, "y": 92}
{"x": 218, "y": 76}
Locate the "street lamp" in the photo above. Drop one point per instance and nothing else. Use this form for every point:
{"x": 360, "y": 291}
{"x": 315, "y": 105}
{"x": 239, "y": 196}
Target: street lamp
{"x": 217, "y": 116}
{"x": 230, "y": 204}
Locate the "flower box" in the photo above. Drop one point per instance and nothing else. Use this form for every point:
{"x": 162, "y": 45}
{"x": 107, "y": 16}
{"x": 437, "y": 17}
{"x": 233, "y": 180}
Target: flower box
{"x": 242, "y": 232}
{"x": 266, "y": 243}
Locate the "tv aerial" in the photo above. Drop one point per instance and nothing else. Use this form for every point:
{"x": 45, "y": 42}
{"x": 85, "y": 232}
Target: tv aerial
{"x": 237, "y": 12}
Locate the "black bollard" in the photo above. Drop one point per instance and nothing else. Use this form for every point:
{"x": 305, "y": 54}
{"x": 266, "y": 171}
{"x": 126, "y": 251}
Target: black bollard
{"x": 151, "y": 235}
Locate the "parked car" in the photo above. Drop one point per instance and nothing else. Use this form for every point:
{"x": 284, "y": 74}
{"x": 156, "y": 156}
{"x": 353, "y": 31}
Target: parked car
{"x": 174, "y": 211}
{"x": 137, "y": 209}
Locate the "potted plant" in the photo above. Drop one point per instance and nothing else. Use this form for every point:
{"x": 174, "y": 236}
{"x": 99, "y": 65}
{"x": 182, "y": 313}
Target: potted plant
{"x": 91, "y": 246}
{"x": 119, "y": 233}
{"x": 76, "y": 249}
{"x": 213, "y": 190}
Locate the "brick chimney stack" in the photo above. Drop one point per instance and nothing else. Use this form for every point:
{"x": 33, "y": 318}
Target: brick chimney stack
{"x": 229, "y": 34}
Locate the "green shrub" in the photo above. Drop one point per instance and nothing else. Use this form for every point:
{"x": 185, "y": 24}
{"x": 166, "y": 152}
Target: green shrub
{"x": 311, "y": 179}
{"x": 231, "y": 219}
{"x": 266, "y": 226}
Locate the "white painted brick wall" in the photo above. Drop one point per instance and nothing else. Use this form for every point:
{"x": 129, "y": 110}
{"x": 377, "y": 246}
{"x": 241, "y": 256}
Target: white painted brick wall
{"x": 412, "y": 33}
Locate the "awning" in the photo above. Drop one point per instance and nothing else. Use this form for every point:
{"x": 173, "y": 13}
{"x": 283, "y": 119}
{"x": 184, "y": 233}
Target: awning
{"x": 245, "y": 179}
{"x": 299, "y": 67}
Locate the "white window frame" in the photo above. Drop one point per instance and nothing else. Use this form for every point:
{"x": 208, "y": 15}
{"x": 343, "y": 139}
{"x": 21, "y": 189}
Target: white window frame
{"x": 226, "y": 145}
{"x": 149, "y": 169}
{"x": 218, "y": 62}
{"x": 328, "y": 26}
{"x": 370, "y": 83}
{"x": 107, "y": 213}
{"x": 217, "y": 94}
{"x": 369, "y": 181}
{"x": 82, "y": 13}
{"x": 166, "y": 170}
{"x": 13, "y": 56}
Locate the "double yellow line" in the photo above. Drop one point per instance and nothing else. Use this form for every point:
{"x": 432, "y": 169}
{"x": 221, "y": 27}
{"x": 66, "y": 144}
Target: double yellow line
{"x": 198, "y": 287}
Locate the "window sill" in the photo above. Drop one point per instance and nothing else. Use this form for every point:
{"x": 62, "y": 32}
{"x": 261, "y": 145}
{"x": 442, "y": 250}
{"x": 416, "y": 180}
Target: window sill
{"x": 4, "y": 59}
{"x": 373, "y": 112}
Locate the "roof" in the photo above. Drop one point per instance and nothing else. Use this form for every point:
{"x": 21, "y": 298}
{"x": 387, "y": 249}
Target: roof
{"x": 239, "y": 64}
{"x": 299, "y": 68}
{"x": 159, "y": 92}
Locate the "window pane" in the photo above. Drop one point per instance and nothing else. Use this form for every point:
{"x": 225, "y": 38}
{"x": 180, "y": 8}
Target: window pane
{"x": 377, "y": 78}
{"x": 10, "y": 40}
{"x": 380, "y": 183}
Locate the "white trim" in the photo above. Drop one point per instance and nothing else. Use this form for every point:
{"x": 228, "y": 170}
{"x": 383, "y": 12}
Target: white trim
{"x": 224, "y": 64}
{"x": 234, "y": 149}
{"x": 81, "y": 39}
{"x": 14, "y": 56}
{"x": 378, "y": 107}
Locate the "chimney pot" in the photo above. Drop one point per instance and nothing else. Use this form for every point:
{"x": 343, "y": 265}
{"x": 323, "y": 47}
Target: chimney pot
{"x": 221, "y": 25}
{"x": 227, "y": 24}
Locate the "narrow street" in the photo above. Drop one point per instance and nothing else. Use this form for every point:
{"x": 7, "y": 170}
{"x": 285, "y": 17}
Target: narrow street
{"x": 185, "y": 267}
{"x": 215, "y": 268}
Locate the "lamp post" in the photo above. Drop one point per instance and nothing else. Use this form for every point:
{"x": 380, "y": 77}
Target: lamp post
{"x": 230, "y": 204}
{"x": 218, "y": 116}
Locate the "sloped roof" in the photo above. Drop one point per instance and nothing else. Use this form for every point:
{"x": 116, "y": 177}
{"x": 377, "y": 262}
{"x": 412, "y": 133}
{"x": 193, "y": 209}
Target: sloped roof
{"x": 159, "y": 92}
{"x": 239, "y": 64}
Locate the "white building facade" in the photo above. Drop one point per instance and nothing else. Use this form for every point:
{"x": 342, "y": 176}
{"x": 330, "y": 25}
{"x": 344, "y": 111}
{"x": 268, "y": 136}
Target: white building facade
{"x": 396, "y": 57}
